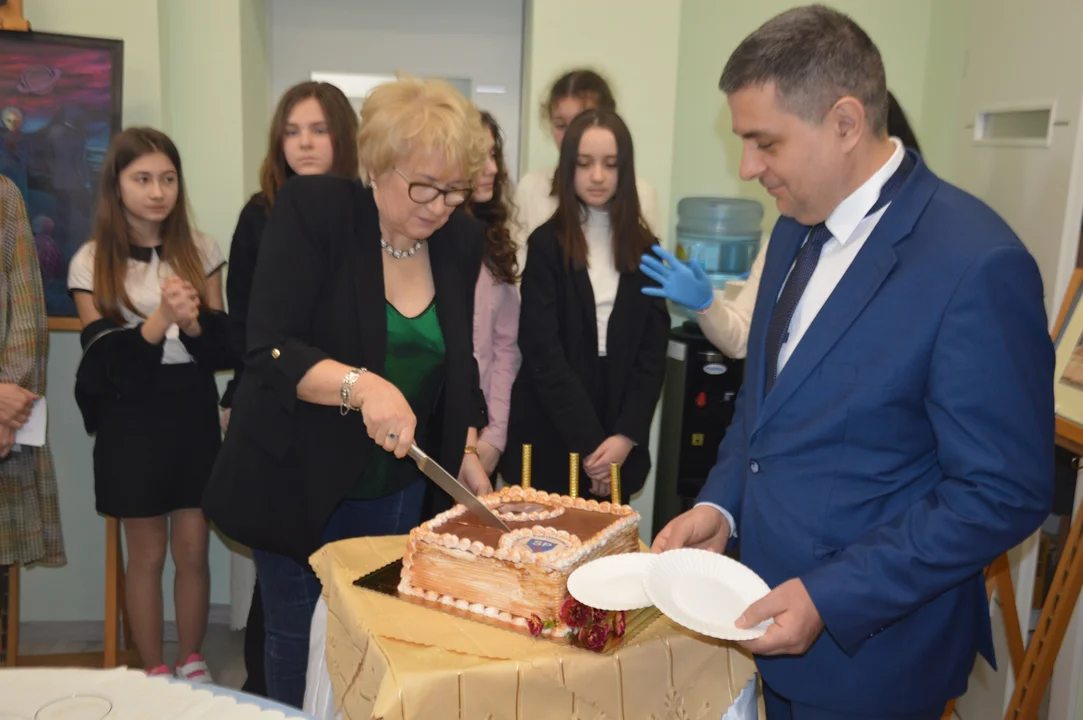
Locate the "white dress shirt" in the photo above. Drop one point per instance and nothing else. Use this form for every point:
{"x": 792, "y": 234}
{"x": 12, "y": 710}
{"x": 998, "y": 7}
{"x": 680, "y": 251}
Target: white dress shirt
{"x": 850, "y": 226}
{"x": 143, "y": 282}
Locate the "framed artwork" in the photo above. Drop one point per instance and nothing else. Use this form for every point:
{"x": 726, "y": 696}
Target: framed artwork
{"x": 60, "y": 104}
{"x": 1068, "y": 372}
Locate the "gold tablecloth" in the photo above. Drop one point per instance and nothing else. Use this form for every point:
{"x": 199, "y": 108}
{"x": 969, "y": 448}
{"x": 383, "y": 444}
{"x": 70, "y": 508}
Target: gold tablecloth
{"x": 393, "y": 660}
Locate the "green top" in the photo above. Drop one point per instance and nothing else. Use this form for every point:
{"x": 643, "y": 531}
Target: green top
{"x": 415, "y": 365}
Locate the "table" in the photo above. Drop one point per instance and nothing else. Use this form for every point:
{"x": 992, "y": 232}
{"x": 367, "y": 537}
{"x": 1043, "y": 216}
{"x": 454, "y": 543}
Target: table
{"x": 389, "y": 659}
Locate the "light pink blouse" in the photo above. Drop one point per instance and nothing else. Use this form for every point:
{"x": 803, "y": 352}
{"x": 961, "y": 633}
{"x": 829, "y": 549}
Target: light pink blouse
{"x": 496, "y": 348}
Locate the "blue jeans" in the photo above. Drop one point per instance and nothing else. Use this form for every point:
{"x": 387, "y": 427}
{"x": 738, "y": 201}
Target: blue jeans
{"x": 290, "y": 590}
{"x": 779, "y": 708}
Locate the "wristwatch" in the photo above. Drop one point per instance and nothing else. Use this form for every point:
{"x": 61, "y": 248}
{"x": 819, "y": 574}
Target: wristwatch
{"x": 347, "y": 389}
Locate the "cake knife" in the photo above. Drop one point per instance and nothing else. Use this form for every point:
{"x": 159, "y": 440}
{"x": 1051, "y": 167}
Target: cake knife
{"x": 454, "y": 488}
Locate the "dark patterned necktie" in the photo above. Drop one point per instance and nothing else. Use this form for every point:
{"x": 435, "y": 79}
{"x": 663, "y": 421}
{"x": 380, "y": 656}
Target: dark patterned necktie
{"x": 778, "y": 327}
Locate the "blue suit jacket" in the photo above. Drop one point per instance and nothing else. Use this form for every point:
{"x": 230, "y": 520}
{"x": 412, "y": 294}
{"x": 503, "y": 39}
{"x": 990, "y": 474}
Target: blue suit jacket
{"x": 906, "y": 443}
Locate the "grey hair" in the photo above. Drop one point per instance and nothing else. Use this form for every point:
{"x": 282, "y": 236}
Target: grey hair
{"x": 815, "y": 56}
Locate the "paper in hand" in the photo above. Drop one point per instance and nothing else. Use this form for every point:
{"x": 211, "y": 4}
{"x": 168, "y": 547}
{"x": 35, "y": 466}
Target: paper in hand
{"x": 32, "y": 433}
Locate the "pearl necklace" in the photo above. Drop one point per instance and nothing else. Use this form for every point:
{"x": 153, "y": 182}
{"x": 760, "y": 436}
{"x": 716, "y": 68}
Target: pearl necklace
{"x": 399, "y": 254}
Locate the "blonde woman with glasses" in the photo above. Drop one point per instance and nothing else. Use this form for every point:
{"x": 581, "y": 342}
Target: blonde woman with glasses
{"x": 360, "y": 324}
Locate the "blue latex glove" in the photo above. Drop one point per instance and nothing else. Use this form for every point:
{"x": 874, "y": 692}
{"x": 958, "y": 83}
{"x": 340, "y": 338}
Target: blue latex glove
{"x": 684, "y": 283}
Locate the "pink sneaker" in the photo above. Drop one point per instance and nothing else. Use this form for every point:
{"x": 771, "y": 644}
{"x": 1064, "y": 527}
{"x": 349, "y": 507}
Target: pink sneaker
{"x": 194, "y": 670}
{"x": 160, "y": 670}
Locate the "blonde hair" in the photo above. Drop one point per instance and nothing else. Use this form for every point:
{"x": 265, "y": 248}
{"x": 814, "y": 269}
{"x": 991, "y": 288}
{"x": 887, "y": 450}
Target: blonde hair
{"x": 411, "y": 114}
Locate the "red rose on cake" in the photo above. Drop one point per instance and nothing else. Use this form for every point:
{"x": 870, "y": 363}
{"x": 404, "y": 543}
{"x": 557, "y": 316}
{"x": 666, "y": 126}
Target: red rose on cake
{"x": 535, "y": 625}
{"x": 595, "y": 635}
{"x": 575, "y": 614}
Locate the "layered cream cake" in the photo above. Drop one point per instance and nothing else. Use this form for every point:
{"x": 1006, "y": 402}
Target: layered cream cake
{"x": 456, "y": 560}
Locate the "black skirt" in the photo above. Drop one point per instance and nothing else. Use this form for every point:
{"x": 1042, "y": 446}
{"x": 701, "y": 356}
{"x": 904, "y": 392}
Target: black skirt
{"x": 154, "y": 452}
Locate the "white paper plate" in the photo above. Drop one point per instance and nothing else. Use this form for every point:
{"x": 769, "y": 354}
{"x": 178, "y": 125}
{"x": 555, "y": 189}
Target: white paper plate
{"x": 78, "y": 707}
{"x": 614, "y": 582}
{"x": 705, "y": 592}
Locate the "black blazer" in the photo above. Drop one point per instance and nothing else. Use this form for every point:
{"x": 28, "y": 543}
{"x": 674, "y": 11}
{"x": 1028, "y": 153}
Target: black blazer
{"x": 243, "y": 253}
{"x": 553, "y": 400}
{"x": 318, "y": 293}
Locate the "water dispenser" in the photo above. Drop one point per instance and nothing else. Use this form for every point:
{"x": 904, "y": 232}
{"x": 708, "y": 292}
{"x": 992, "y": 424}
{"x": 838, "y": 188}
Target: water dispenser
{"x": 721, "y": 234}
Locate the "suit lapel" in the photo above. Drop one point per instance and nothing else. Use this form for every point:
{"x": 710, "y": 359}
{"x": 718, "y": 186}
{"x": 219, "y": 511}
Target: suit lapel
{"x": 368, "y": 282}
{"x": 873, "y": 264}
{"x": 849, "y": 298}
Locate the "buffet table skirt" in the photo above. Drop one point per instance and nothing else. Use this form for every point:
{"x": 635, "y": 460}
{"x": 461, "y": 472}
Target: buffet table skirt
{"x": 383, "y": 657}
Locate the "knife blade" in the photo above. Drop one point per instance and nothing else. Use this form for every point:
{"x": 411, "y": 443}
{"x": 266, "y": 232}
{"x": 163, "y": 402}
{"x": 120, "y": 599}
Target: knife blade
{"x": 459, "y": 492}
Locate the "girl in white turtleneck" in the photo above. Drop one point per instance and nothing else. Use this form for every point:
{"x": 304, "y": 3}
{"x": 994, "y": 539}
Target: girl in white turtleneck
{"x": 535, "y": 197}
{"x": 593, "y": 344}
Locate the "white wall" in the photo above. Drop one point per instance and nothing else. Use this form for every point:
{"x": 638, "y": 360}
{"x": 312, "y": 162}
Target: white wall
{"x": 480, "y": 40}
{"x": 1020, "y": 55}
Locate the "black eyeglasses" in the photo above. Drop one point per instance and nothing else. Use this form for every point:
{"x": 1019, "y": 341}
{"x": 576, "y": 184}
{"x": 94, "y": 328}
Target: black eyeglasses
{"x": 424, "y": 193}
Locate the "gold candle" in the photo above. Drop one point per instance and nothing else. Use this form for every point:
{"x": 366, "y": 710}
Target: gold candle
{"x": 525, "y": 479}
{"x": 614, "y": 483}
{"x": 573, "y": 475}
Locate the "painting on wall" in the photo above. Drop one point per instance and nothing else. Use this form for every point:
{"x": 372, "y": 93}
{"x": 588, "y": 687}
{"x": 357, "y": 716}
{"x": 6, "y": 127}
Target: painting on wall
{"x": 1068, "y": 338}
{"x": 60, "y": 103}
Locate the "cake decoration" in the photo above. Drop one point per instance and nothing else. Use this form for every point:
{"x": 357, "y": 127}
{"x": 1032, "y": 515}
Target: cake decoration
{"x": 538, "y": 540}
{"x": 528, "y": 453}
{"x": 527, "y": 511}
{"x": 455, "y": 561}
{"x": 573, "y": 475}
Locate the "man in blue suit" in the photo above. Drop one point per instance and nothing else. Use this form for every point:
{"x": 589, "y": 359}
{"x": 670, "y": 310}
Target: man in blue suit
{"x": 895, "y": 430}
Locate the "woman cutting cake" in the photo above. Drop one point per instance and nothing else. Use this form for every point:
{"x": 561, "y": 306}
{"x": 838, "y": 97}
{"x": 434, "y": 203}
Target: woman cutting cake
{"x": 359, "y": 344}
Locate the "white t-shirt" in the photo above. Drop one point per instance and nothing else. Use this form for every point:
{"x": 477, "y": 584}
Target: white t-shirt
{"x": 601, "y": 269}
{"x": 535, "y": 204}
{"x": 143, "y": 281}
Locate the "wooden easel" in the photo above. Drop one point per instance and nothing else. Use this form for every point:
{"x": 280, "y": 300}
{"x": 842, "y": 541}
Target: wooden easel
{"x": 116, "y": 651}
{"x": 1032, "y": 680}
{"x": 11, "y": 16}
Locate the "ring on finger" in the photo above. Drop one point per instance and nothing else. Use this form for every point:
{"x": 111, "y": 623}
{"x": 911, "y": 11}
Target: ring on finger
{"x": 392, "y": 436}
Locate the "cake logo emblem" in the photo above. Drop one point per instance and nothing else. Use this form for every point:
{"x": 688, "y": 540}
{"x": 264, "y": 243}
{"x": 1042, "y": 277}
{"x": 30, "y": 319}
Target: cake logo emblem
{"x": 541, "y": 544}
{"x": 537, "y": 545}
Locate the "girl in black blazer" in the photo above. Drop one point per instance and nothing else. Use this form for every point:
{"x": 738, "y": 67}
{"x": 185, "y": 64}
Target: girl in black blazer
{"x": 593, "y": 345}
{"x": 359, "y": 325}
{"x": 313, "y": 132}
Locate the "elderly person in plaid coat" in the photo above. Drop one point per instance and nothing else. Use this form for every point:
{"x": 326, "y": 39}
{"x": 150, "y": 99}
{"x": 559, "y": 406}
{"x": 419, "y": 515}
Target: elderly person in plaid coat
{"x": 29, "y": 509}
